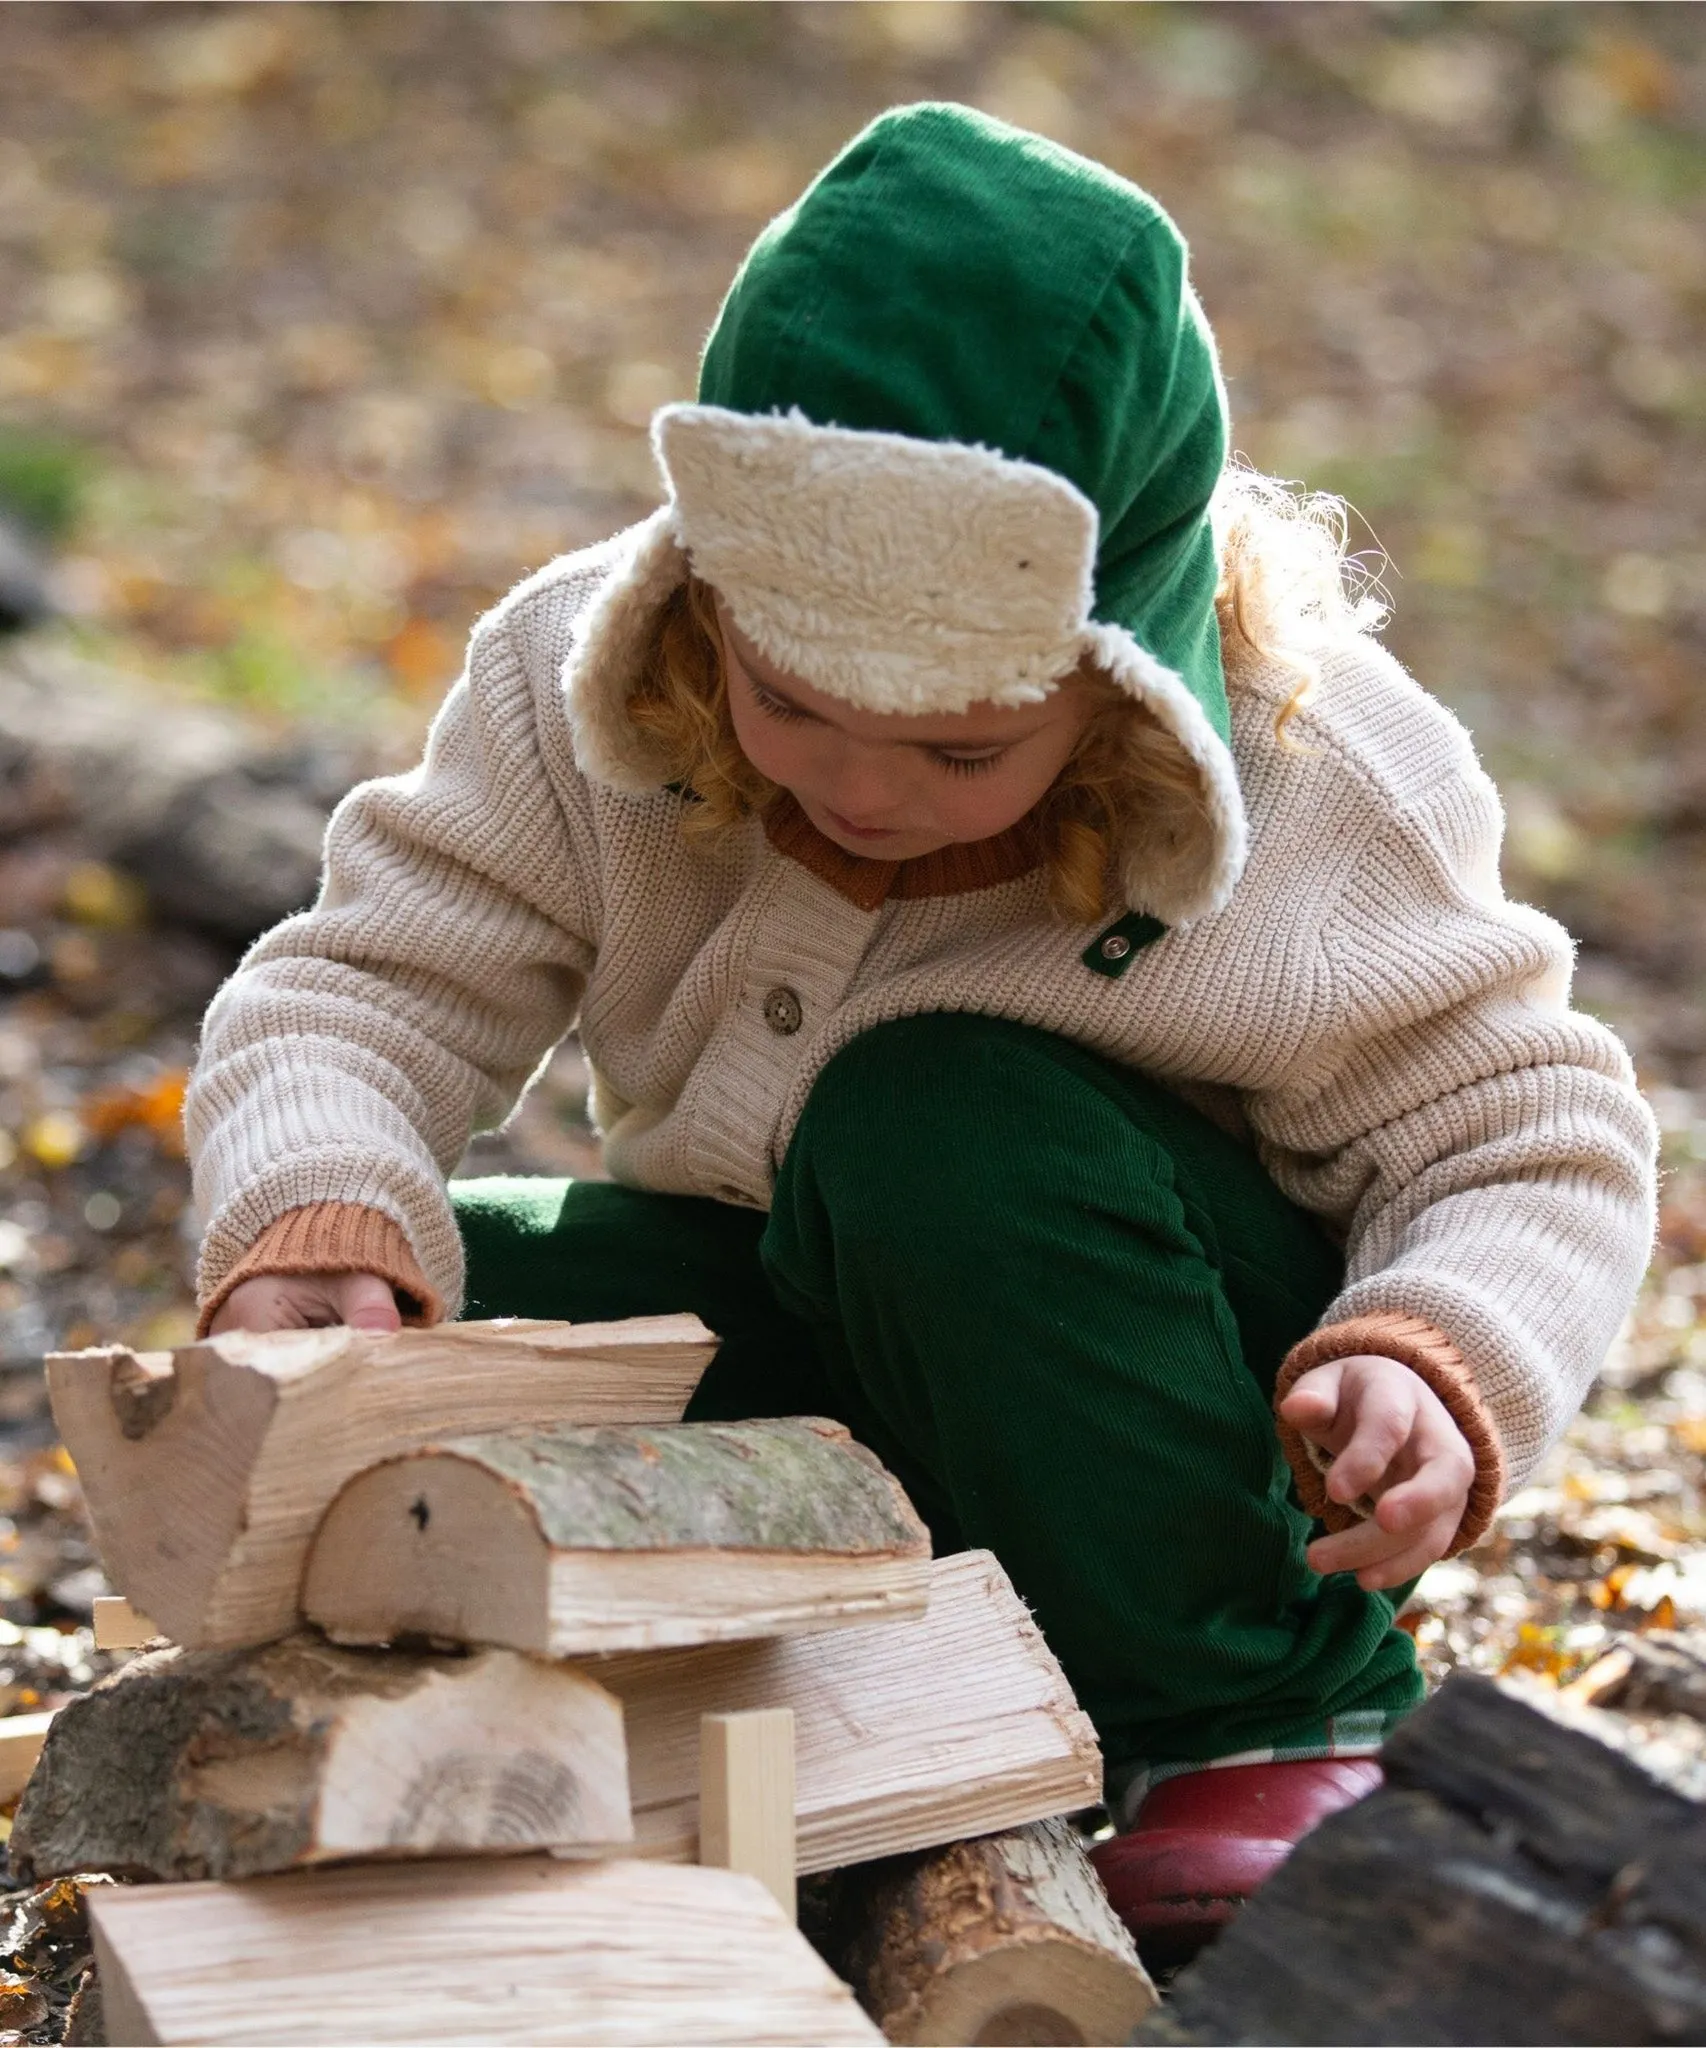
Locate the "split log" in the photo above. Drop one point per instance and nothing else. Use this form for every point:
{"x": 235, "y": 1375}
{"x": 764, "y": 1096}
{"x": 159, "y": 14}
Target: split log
{"x": 607, "y": 1955}
{"x": 1515, "y": 1880}
{"x": 231, "y": 1763}
{"x": 206, "y": 1470}
{"x": 1009, "y": 1938}
{"x": 903, "y": 1737}
{"x": 571, "y": 1541}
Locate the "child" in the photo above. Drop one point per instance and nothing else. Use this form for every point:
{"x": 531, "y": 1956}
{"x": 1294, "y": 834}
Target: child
{"x": 1003, "y": 1044}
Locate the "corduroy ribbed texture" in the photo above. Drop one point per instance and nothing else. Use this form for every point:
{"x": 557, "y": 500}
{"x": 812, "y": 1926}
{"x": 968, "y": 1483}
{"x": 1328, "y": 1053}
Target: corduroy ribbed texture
{"x": 1395, "y": 1034}
{"x": 1052, "y": 1298}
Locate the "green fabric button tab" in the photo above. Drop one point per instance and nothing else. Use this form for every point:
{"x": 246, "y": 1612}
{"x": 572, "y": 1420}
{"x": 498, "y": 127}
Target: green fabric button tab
{"x": 1116, "y": 948}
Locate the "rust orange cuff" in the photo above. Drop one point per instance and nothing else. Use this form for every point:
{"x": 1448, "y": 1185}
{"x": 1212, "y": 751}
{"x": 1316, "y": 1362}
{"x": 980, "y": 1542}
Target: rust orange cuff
{"x": 1432, "y": 1356}
{"x": 333, "y": 1237}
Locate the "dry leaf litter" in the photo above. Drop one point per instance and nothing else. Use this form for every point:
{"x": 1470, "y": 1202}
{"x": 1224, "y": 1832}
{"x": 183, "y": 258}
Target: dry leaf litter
{"x": 322, "y": 325}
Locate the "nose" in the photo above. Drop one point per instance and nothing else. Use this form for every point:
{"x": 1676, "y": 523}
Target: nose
{"x": 864, "y": 784}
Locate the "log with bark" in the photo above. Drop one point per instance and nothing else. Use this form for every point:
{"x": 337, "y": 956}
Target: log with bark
{"x": 206, "y": 1470}
{"x": 571, "y": 1541}
{"x": 604, "y": 1955}
{"x": 905, "y": 1737}
{"x": 221, "y": 823}
{"x": 1008, "y": 1938}
{"x": 1515, "y": 1880}
{"x": 230, "y": 1763}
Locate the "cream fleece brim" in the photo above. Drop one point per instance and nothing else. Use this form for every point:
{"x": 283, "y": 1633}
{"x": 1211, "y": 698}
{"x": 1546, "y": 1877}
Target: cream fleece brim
{"x": 899, "y": 576}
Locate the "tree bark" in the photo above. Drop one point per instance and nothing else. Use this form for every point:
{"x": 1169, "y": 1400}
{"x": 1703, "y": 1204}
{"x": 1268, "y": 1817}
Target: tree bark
{"x": 1009, "y": 1938}
{"x": 571, "y": 1541}
{"x": 206, "y": 1470}
{"x": 225, "y": 1764}
{"x": 1515, "y": 1880}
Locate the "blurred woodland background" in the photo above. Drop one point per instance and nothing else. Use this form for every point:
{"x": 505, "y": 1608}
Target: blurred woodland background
{"x": 321, "y": 324}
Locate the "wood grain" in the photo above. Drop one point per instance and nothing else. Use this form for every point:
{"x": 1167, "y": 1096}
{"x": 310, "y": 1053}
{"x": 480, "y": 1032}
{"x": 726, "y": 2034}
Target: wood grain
{"x": 905, "y": 1737}
{"x": 746, "y": 1797}
{"x": 568, "y": 1541}
{"x": 607, "y": 1955}
{"x": 1006, "y": 1938}
{"x": 207, "y": 1470}
{"x": 233, "y": 1763}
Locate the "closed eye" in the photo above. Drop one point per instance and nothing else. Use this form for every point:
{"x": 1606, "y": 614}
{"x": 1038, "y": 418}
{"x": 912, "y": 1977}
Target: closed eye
{"x": 966, "y": 764}
{"x": 775, "y": 707}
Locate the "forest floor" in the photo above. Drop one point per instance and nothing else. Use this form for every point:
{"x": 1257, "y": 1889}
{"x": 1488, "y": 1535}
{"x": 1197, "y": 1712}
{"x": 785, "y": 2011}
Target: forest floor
{"x": 325, "y": 324}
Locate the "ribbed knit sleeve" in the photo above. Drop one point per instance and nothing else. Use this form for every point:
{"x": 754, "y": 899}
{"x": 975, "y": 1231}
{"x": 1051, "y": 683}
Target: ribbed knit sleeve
{"x": 358, "y": 1044}
{"x": 1485, "y": 1144}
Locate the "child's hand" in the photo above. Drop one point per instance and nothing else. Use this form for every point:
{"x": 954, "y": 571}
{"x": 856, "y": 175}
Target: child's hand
{"x": 309, "y": 1301}
{"x": 1392, "y": 1438}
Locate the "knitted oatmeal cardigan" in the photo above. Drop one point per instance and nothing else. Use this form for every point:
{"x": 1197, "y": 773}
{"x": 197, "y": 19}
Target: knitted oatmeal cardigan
{"x": 1394, "y": 1035}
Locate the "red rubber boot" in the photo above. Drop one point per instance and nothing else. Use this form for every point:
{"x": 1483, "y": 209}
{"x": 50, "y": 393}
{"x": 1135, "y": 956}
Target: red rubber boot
{"x": 1203, "y": 1842}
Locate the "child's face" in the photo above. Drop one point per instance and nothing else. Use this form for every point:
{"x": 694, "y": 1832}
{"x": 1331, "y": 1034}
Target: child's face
{"x": 889, "y": 785}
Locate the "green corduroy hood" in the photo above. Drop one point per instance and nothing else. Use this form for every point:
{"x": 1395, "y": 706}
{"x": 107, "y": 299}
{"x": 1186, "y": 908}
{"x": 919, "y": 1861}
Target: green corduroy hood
{"x": 958, "y": 425}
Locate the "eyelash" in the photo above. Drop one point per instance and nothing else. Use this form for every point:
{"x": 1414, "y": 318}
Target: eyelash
{"x": 773, "y": 707}
{"x": 955, "y": 764}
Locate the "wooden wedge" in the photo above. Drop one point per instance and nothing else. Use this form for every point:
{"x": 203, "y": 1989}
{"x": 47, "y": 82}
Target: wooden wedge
{"x": 230, "y": 1763}
{"x": 21, "y": 1739}
{"x": 1006, "y": 1938}
{"x": 570, "y": 1541}
{"x": 904, "y": 1738}
{"x": 608, "y": 1955}
{"x": 206, "y": 1470}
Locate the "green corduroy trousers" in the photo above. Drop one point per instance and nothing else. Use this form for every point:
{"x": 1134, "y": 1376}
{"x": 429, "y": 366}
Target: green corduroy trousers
{"x": 1052, "y": 1298}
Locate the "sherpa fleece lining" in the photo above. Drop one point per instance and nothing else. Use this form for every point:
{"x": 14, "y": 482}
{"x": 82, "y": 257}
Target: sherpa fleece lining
{"x": 898, "y": 575}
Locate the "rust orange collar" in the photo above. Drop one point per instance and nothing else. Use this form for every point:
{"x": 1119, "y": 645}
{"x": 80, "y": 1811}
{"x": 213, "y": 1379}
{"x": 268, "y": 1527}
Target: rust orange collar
{"x": 951, "y": 871}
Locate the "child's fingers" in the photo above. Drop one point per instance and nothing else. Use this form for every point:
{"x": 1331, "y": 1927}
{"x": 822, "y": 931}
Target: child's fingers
{"x": 1312, "y": 1406}
{"x": 1439, "y": 1488}
{"x": 365, "y": 1302}
{"x": 1352, "y": 1550}
{"x": 1384, "y": 1419}
{"x": 1377, "y": 1556}
{"x": 1412, "y": 1561}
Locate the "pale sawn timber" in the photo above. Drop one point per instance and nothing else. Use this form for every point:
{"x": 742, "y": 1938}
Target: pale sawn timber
{"x": 206, "y": 1470}
{"x": 21, "y": 1739}
{"x": 746, "y": 1798}
{"x": 567, "y": 1542}
{"x": 118, "y": 1626}
{"x": 194, "y": 1764}
{"x": 604, "y": 1955}
{"x": 1006, "y": 1938}
{"x": 960, "y": 1724}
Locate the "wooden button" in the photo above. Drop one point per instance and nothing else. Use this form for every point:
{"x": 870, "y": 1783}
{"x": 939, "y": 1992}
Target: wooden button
{"x": 783, "y": 1012}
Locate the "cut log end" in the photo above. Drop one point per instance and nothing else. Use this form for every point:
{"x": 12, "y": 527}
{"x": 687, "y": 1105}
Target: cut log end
{"x": 578, "y": 1541}
{"x": 207, "y": 1469}
{"x": 1005, "y": 1939}
{"x": 222, "y": 1764}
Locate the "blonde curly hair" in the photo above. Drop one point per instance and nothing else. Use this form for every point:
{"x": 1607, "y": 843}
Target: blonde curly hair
{"x": 1287, "y": 590}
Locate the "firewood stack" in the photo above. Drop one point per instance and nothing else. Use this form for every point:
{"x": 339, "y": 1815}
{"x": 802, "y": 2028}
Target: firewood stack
{"x": 468, "y": 1643}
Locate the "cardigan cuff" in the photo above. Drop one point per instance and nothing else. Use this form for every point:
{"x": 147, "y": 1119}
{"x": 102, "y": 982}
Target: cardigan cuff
{"x": 333, "y": 1237}
{"x": 1435, "y": 1359}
